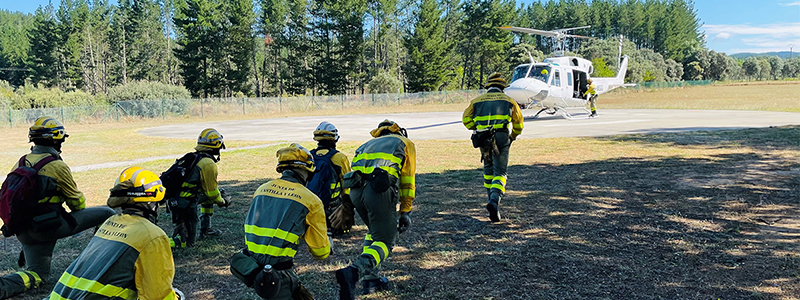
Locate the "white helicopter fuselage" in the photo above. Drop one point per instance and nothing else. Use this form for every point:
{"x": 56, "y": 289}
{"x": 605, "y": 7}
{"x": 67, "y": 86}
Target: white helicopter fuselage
{"x": 558, "y": 83}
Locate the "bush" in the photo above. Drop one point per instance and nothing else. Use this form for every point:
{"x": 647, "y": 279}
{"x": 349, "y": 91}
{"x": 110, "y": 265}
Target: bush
{"x": 145, "y": 98}
{"x": 146, "y": 90}
{"x": 385, "y": 83}
{"x": 39, "y": 97}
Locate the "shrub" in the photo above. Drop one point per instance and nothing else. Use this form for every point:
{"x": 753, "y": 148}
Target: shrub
{"x": 146, "y": 90}
{"x": 385, "y": 83}
{"x": 145, "y": 98}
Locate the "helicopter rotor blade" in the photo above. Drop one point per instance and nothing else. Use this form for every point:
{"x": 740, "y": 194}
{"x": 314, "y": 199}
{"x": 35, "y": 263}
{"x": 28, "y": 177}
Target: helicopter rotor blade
{"x": 577, "y": 36}
{"x": 573, "y": 28}
{"x": 529, "y": 31}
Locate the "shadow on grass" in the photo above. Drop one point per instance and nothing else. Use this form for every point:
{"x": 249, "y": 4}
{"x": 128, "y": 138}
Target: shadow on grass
{"x": 664, "y": 228}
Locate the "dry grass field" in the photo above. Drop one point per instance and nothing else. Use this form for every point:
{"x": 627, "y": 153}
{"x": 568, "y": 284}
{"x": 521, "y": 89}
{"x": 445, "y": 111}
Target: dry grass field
{"x": 699, "y": 215}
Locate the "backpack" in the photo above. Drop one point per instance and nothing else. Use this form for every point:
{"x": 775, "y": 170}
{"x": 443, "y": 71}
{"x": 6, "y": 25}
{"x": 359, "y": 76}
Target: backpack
{"x": 20, "y": 193}
{"x": 174, "y": 177}
{"x": 324, "y": 176}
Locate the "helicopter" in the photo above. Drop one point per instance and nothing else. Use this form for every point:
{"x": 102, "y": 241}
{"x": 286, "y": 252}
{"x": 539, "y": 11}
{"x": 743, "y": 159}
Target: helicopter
{"x": 559, "y": 82}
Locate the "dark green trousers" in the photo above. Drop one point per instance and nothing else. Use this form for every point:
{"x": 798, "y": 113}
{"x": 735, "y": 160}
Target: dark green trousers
{"x": 495, "y": 169}
{"x": 379, "y": 213}
{"x": 17, "y": 283}
{"x": 38, "y": 246}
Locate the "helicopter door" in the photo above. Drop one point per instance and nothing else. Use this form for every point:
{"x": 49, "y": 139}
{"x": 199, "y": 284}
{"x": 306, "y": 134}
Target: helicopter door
{"x": 556, "y": 89}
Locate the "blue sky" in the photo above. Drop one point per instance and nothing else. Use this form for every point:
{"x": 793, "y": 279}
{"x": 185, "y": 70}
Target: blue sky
{"x": 731, "y": 26}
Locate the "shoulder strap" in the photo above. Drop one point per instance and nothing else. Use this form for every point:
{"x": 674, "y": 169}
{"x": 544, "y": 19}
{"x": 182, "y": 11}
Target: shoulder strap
{"x": 47, "y": 159}
{"x": 21, "y": 162}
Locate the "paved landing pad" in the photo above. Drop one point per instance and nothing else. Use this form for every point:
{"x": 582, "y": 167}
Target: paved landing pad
{"x": 447, "y": 125}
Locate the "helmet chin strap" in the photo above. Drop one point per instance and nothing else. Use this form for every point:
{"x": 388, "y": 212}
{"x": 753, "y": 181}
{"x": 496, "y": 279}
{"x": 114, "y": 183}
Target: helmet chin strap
{"x": 147, "y": 210}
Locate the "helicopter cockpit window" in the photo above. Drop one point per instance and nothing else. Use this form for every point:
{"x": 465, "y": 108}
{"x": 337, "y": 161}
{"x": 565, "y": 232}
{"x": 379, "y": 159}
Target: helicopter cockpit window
{"x": 540, "y": 72}
{"x": 520, "y": 72}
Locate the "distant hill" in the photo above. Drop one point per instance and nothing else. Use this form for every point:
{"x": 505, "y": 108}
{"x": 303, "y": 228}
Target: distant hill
{"x": 782, "y": 54}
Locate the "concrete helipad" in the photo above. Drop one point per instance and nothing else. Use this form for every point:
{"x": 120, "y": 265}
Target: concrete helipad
{"x": 447, "y": 125}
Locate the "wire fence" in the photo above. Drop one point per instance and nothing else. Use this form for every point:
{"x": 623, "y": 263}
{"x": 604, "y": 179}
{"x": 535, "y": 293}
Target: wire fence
{"x": 208, "y": 107}
{"x": 671, "y": 84}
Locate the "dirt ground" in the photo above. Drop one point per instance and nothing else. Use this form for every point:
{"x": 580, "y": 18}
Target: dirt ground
{"x": 716, "y": 221}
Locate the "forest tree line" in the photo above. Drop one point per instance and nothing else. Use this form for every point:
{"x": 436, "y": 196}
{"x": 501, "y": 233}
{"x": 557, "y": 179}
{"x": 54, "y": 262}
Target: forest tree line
{"x": 222, "y": 48}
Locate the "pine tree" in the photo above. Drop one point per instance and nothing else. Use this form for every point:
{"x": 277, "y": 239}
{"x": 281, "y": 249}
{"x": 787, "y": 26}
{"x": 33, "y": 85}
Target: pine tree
{"x": 238, "y": 46}
{"x": 428, "y": 52}
{"x": 42, "y": 54}
{"x": 199, "y": 29}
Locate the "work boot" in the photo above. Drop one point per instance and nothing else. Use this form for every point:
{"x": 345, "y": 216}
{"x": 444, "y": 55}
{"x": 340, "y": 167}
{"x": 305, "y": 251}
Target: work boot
{"x": 375, "y": 285}
{"x": 347, "y": 279}
{"x": 210, "y": 232}
{"x": 494, "y": 211}
{"x": 594, "y": 114}
{"x": 177, "y": 241}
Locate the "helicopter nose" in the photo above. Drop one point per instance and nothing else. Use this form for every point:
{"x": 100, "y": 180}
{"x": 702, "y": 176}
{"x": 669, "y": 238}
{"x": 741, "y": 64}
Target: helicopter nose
{"x": 526, "y": 89}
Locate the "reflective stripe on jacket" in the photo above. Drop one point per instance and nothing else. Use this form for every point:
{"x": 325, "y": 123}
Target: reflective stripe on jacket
{"x": 128, "y": 258}
{"x": 282, "y": 212}
{"x": 493, "y": 110}
{"x": 67, "y": 190}
{"x": 396, "y": 155}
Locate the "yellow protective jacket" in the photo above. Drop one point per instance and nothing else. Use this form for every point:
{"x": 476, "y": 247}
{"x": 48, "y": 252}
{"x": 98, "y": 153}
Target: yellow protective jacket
{"x": 342, "y": 165}
{"x": 282, "y": 212}
{"x": 494, "y": 110}
{"x": 396, "y": 155}
{"x": 66, "y": 189}
{"x": 590, "y": 90}
{"x": 128, "y": 258}
{"x": 201, "y": 184}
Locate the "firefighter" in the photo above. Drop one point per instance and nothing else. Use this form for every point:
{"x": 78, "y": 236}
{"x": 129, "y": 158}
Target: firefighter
{"x": 383, "y": 174}
{"x": 331, "y": 165}
{"x": 592, "y": 94}
{"x": 39, "y": 236}
{"x": 129, "y": 257}
{"x": 491, "y": 116}
{"x": 283, "y": 212}
{"x": 200, "y": 187}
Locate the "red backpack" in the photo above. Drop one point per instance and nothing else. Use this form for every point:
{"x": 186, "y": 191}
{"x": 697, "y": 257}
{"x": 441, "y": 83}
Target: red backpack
{"x": 20, "y": 194}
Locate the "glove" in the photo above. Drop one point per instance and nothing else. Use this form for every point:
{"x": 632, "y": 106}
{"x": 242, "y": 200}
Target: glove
{"x": 513, "y": 138}
{"x": 343, "y": 217}
{"x": 404, "y": 222}
{"x": 179, "y": 294}
{"x": 225, "y": 197}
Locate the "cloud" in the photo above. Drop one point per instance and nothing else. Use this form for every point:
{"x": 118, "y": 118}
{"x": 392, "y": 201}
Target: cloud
{"x": 723, "y": 35}
{"x": 790, "y": 4}
{"x": 778, "y": 31}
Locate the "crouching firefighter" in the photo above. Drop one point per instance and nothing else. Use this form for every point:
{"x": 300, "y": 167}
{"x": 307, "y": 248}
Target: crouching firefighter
{"x": 283, "y": 212}
{"x": 129, "y": 257}
{"x": 197, "y": 186}
{"x": 490, "y": 116}
{"x": 37, "y": 216}
{"x": 383, "y": 174}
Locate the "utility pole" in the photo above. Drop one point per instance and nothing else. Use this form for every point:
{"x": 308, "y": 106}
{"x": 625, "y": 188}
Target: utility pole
{"x": 790, "y": 50}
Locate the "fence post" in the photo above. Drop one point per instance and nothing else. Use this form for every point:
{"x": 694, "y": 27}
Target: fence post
{"x": 63, "y": 120}
{"x": 202, "y": 103}
{"x": 343, "y": 100}
{"x": 244, "y": 100}
{"x": 373, "y": 99}
{"x": 116, "y": 108}
{"x": 280, "y": 103}
{"x": 163, "y": 110}
{"x": 10, "y": 119}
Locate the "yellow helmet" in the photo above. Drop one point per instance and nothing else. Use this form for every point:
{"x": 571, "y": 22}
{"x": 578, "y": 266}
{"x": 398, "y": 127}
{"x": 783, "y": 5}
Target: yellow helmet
{"x": 589, "y": 80}
{"x": 295, "y": 156}
{"x": 210, "y": 139}
{"x": 326, "y": 132}
{"x": 47, "y": 128}
{"x": 495, "y": 80}
{"x": 136, "y": 185}
{"x": 388, "y": 126}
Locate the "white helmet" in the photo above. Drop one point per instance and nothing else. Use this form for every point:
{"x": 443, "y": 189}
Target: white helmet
{"x": 326, "y": 131}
